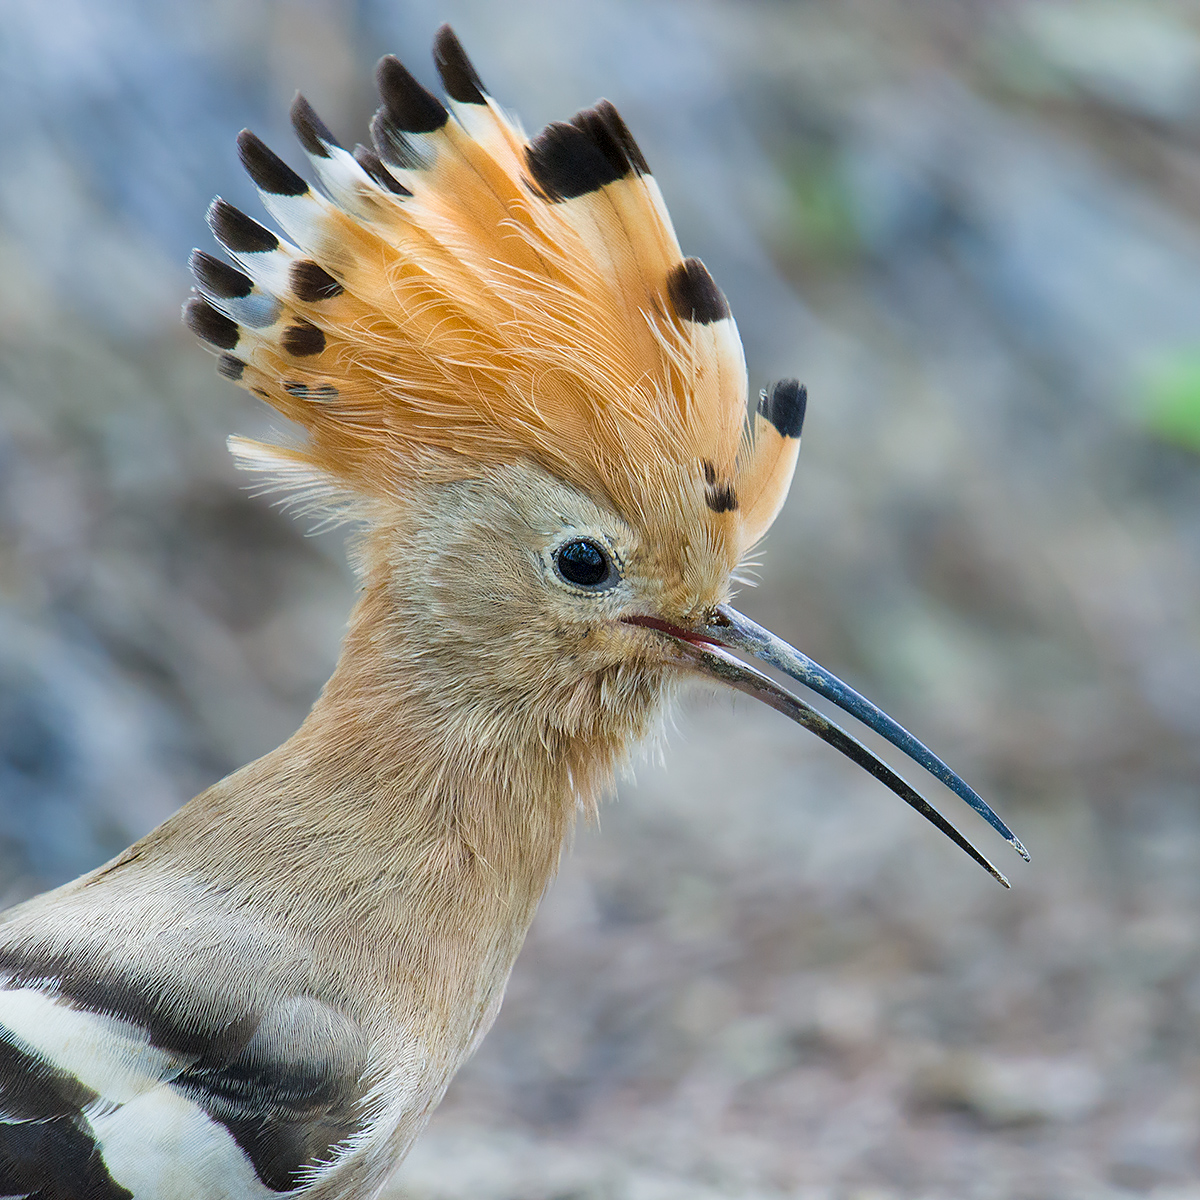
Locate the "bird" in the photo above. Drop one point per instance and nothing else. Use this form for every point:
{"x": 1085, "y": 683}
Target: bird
{"x": 534, "y": 411}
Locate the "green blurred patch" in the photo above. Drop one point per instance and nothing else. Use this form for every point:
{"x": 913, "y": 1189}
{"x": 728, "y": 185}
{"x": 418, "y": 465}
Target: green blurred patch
{"x": 1170, "y": 403}
{"x": 821, "y": 225}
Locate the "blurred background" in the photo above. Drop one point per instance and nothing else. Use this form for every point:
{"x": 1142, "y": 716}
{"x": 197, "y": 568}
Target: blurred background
{"x": 972, "y": 227}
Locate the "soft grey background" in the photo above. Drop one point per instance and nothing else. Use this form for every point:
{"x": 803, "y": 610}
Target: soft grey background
{"x": 974, "y": 230}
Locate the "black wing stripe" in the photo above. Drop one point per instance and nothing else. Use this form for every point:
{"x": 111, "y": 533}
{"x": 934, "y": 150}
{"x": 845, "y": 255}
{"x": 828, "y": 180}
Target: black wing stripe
{"x": 287, "y": 1082}
{"x": 292, "y": 1095}
{"x": 47, "y": 1148}
{"x": 85, "y": 984}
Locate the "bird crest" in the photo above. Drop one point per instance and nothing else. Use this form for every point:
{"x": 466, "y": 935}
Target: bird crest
{"x": 464, "y": 289}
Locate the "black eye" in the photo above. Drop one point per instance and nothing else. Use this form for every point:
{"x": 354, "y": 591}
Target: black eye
{"x": 584, "y": 563}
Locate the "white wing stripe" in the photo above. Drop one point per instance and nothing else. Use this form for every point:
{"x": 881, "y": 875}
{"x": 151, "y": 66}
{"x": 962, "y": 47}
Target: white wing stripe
{"x": 112, "y": 1057}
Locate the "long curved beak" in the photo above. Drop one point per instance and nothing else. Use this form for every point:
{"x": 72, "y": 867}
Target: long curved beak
{"x": 703, "y": 647}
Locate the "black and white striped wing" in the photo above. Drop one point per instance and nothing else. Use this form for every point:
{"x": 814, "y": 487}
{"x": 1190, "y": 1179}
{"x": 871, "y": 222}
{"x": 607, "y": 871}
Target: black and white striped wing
{"x": 106, "y": 1094}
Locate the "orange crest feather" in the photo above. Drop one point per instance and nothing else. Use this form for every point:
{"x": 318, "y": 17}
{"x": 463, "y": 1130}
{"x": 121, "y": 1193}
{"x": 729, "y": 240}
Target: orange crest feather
{"x": 464, "y": 289}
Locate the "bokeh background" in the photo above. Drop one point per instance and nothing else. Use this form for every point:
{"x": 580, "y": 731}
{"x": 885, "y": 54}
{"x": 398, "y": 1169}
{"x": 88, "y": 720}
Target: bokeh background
{"x": 973, "y": 229}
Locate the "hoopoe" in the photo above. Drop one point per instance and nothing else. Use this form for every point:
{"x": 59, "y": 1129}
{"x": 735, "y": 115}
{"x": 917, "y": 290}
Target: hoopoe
{"x": 535, "y": 410}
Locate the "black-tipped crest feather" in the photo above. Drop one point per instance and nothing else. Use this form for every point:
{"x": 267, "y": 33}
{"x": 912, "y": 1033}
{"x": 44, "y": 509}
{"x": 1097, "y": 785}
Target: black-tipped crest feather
{"x": 566, "y": 162}
{"x": 266, "y": 168}
{"x": 312, "y": 283}
{"x": 721, "y": 498}
{"x": 459, "y": 77}
{"x": 218, "y": 278}
{"x": 313, "y": 133}
{"x": 303, "y": 340}
{"x": 694, "y": 294}
{"x": 622, "y": 150}
{"x": 784, "y": 406}
{"x": 374, "y": 167}
{"x": 238, "y": 232}
{"x": 230, "y": 367}
{"x": 407, "y": 106}
{"x": 394, "y": 147}
{"x": 593, "y": 149}
{"x": 214, "y": 327}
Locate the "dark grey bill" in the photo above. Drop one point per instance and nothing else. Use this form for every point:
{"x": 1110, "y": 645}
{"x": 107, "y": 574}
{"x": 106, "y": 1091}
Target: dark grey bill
{"x": 731, "y": 629}
{"x": 715, "y": 663}
{"x": 703, "y": 647}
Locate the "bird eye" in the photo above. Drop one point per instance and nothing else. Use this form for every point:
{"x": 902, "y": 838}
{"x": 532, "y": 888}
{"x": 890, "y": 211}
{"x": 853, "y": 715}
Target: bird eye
{"x": 585, "y": 564}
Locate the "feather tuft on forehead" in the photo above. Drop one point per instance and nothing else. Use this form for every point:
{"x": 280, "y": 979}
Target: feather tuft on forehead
{"x": 462, "y": 289}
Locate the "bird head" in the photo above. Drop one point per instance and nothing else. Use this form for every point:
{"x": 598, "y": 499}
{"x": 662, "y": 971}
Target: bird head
{"x": 503, "y": 365}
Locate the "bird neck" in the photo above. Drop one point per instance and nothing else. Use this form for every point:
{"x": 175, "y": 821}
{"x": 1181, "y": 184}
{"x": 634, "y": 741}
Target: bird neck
{"x": 404, "y": 841}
